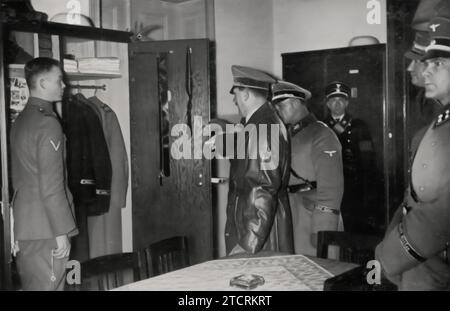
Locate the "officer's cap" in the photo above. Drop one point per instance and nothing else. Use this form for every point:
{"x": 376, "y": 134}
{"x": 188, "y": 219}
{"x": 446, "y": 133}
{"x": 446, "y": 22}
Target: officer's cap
{"x": 421, "y": 41}
{"x": 283, "y": 90}
{"x": 251, "y": 78}
{"x": 439, "y": 30}
{"x": 337, "y": 89}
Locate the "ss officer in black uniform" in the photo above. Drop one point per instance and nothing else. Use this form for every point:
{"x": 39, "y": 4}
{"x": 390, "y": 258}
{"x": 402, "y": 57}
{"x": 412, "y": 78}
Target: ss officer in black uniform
{"x": 357, "y": 155}
{"x": 414, "y": 253}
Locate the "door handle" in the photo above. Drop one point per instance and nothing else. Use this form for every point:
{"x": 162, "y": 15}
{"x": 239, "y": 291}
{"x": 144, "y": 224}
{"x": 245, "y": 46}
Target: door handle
{"x": 219, "y": 180}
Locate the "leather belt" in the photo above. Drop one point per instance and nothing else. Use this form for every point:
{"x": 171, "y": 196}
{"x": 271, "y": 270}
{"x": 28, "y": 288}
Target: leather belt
{"x": 321, "y": 208}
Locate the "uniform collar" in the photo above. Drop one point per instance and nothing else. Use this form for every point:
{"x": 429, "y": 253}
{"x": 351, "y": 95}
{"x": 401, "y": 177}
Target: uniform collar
{"x": 310, "y": 118}
{"x": 41, "y": 104}
{"x": 345, "y": 121}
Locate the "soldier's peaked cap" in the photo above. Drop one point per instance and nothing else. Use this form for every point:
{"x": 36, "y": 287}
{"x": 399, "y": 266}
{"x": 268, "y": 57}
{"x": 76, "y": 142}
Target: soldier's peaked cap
{"x": 421, "y": 41}
{"x": 439, "y": 30}
{"x": 337, "y": 88}
{"x": 283, "y": 90}
{"x": 250, "y": 77}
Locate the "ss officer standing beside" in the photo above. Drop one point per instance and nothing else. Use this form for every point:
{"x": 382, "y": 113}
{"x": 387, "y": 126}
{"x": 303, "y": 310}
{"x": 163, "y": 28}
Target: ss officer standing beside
{"x": 357, "y": 157}
{"x": 415, "y": 251}
{"x": 316, "y": 183}
{"x": 42, "y": 207}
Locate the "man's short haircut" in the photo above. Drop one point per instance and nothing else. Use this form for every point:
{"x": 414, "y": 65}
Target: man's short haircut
{"x": 257, "y": 92}
{"x": 37, "y": 66}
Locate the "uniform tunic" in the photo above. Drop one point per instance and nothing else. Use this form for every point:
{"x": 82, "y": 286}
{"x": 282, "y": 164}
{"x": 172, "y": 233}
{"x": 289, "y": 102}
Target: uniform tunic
{"x": 42, "y": 206}
{"x": 358, "y": 161}
{"x": 414, "y": 252}
{"x": 316, "y": 157}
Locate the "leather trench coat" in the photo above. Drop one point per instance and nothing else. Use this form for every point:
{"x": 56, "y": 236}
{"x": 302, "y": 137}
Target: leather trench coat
{"x": 258, "y": 213}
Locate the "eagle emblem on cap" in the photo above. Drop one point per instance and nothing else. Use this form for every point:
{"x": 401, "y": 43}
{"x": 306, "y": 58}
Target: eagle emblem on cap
{"x": 338, "y": 86}
{"x": 434, "y": 26}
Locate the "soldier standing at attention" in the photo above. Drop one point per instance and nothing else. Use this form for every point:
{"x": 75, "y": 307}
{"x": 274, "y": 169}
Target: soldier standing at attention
{"x": 42, "y": 207}
{"x": 415, "y": 251}
{"x": 357, "y": 157}
{"x": 316, "y": 183}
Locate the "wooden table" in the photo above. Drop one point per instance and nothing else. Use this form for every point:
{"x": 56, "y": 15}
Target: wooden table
{"x": 280, "y": 272}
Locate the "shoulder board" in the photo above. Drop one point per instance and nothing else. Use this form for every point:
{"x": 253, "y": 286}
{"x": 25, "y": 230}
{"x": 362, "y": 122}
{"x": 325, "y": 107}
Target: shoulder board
{"x": 442, "y": 118}
{"x": 47, "y": 113}
{"x": 322, "y": 123}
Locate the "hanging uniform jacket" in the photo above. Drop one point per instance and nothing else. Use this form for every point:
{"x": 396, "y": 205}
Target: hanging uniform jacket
{"x": 89, "y": 167}
{"x": 105, "y": 234}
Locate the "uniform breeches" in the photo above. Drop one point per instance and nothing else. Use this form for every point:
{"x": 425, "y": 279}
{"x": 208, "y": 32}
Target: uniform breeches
{"x": 34, "y": 264}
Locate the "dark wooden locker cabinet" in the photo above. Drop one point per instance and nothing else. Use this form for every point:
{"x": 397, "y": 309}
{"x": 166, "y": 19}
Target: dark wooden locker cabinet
{"x": 170, "y": 197}
{"x": 363, "y": 69}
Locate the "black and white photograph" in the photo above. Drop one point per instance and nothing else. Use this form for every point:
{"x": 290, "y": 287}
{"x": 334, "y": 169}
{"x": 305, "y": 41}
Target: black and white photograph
{"x": 206, "y": 147}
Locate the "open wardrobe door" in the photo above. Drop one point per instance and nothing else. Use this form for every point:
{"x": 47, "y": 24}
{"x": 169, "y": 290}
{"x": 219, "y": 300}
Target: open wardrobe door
{"x": 170, "y": 101}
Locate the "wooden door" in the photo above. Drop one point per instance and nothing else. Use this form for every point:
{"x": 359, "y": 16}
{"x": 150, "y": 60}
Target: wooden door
{"x": 170, "y": 196}
{"x": 363, "y": 69}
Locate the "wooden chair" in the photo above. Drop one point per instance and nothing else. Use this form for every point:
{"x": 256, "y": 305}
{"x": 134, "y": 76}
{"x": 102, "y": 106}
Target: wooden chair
{"x": 356, "y": 248}
{"x": 108, "y": 272}
{"x": 165, "y": 256}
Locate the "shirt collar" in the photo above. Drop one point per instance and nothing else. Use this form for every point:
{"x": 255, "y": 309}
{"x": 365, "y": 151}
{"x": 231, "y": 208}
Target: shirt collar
{"x": 249, "y": 115}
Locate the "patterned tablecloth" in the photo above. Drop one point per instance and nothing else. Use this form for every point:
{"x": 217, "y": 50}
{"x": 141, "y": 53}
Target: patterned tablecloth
{"x": 281, "y": 273}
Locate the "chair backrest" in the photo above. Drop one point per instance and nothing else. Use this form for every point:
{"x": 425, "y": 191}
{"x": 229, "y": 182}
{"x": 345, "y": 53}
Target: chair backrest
{"x": 109, "y": 271}
{"x": 356, "y": 248}
{"x": 166, "y": 255}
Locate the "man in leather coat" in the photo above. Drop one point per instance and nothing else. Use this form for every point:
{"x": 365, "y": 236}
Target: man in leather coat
{"x": 258, "y": 212}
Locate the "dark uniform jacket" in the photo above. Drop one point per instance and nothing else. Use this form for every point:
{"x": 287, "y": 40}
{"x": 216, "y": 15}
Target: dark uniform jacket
{"x": 258, "y": 212}
{"x": 414, "y": 252}
{"x": 359, "y": 168}
{"x": 88, "y": 165}
{"x": 105, "y": 231}
{"x": 42, "y": 206}
{"x": 316, "y": 157}
{"x": 88, "y": 160}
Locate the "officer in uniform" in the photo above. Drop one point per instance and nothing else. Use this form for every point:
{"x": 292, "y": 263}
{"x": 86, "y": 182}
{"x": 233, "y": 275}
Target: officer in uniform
{"x": 258, "y": 213}
{"x": 421, "y": 110}
{"x": 357, "y": 156}
{"x": 316, "y": 183}
{"x": 42, "y": 203}
{"x": 414, "y": 252}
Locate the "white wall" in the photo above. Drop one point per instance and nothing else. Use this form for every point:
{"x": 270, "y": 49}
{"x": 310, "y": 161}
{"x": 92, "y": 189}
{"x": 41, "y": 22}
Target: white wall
{"x": 244, "y": 36}
{"x": 303, "y": 25}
